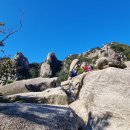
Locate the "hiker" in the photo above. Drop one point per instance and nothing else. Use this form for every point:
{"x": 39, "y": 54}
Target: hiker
{"x": 86, "y": 68}
{"x": 74, "y": 68}
{"x": 118, "y": 59}
{"x": 73, "y": 73}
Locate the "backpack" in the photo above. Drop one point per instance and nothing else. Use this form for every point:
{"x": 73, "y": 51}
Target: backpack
{"x": 72, "y": 73}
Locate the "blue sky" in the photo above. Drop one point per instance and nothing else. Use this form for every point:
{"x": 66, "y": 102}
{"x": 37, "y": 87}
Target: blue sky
{"x": 64, "y": 26}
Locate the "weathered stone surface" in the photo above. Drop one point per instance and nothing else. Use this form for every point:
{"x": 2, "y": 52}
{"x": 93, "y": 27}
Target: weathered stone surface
{"x": 46, "y": 70}
{"x": 74, "y": 85}
{"x": 105, "y": 62}
{"x": 30, "y": 85}
{"x": 55, "y": 96}
{"x": 37, "y": 117}
{"x": 93, "y": 53}
{"x": 50, "y": 66}
{"x": 51, "y": 58}
{"x": 101, "y": 62}
{"x": 73, "y": 64}
{"x": 107, "y": 51}
{"x": 104, "y": 100}
{"x": 128, "y": 64}
{"x": 21, "y": 66}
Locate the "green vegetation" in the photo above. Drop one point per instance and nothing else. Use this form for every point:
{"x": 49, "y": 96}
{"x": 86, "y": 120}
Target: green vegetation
{"x": 80, "y": 71}
{"x": 9, "y": 81}
{"x": 22, "y": 73}
{"x": 7, "y": 71}
{"x": 64, "y": 71}
{"x": 62, "y": 75}
{"x": 34, "y": 70}
{"x": 121, "y": 48}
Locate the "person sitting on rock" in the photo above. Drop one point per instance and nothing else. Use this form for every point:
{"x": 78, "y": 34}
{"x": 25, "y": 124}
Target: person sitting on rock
{"x": 73, "y": 73}
{"x": 74, "y": 68}
{"x": 118, "y": 59}
{"x": 86, "y": 68}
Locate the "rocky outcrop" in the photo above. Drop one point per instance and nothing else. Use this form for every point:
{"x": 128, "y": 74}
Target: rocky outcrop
{"x": 46, "y": 70}
{"x": 128, "y": 64}
{"x": 105, "y": 62}
{"x": 93, "y": 53}
{"x": 73, "y": 64}
{"x": 21, "y": 66}
{"x": 107, "y": 51}
{"x": 73, "y": 86}
{"x": 37, "y": 117}
{"x": 30, "y": 85}
{"x": 55, "y": 96}
{"x": 102, "y": 62}
{"x": 50, "y": 66}
{"x": 104, "y": 100}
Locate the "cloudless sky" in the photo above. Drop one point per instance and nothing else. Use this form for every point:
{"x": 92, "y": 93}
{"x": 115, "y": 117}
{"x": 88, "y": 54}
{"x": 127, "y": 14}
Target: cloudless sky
{"x": 64, "y": 26}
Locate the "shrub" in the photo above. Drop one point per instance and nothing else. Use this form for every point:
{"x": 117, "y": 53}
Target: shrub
{"x": 34, "y": 70}
{"x": 117, "y": 48}
{"x": 9, "y": 81}
{"x": 121, "y": 48}
{"x": 7, "y": 71}
{"x": 62, "y": 75}
{"x": 80, "y": 71}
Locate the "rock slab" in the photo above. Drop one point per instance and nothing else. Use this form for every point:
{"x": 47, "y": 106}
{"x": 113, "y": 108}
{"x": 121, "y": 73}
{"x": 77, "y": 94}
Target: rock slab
{"x": 37, "y": 117}
{"x": 104, "y": 100}
{"x": 30, "y": 85}
{"x": 55, "y": 96}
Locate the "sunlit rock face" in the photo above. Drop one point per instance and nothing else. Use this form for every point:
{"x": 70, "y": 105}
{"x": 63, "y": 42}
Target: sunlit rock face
{"x": 104, "y": 100}
{"x": 50, "y": 66}
{"x": 21, "y": 66}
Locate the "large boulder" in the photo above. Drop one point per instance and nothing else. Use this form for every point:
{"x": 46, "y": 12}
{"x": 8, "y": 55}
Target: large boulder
{"x": 105, "y": 62}
{"x": 50, "y": 66}
{"x": 128, "y": 64}
{"x": 46, "y": 70}
{"x": 73, "y": 64}
{"x": 73, "y": 86}
{"x": 101, "y": 62}
{"x": 37, "y": 117}
{"x": 107, "y": 51}
{"x": 21, "y": 66}
{"x": 55, "y": 96}
{"x": 104, "y": 100}
{"x": 30, "y": 85}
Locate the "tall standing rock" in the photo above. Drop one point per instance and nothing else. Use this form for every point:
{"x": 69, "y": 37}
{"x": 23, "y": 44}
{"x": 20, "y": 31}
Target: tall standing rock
{"x": 50, "y": 66}
{"x": 74, "y": 64}
{"x": 46, "y": 70}
{"x": 21, "y": 66}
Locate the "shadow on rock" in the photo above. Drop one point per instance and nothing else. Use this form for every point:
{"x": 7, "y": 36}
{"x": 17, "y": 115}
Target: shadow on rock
{"x": 98, "y": 122}
{"x": 35, "y": 115}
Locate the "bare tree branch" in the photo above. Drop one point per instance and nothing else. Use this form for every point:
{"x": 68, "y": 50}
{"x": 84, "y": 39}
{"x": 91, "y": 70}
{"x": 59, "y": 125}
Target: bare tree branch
{"x": 10, "y": 32}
